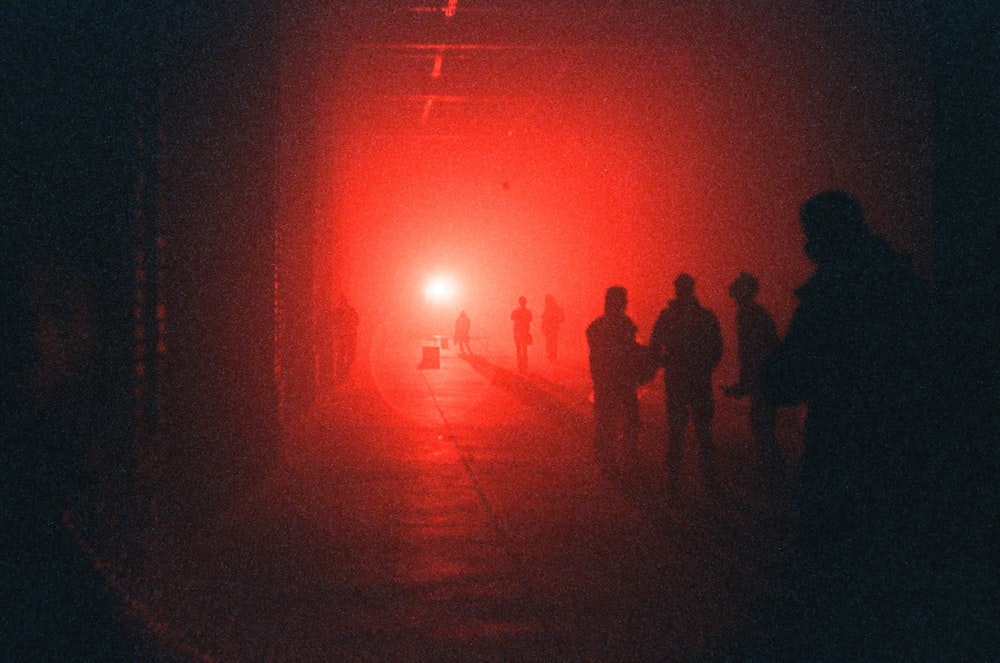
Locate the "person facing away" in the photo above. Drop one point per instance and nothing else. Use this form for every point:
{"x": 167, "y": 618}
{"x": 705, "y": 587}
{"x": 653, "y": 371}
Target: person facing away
{"x": 462, "y": 327}
{"x": 855, "y": 354}
{"x": 757, "y": 337}
{"x": 552, "y": 319}
{"x": 522, "y": 332}
{"x": 688, "y": 339}
{"x": 344, "y": 324}
{"x": 611, "y": 339}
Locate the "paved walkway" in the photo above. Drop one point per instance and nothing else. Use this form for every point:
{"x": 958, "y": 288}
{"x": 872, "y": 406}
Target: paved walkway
{"x": 459, "y": 514}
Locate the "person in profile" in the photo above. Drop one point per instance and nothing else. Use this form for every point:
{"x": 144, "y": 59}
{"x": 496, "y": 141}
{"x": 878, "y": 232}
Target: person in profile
{"x": 344, "y": 323}
{"x": 688, "y": 339}
{"x": 613, "y": 347}
{"x": 552, "y": 320}
{"x": 462, "y": 333}
{"x": 522, "y": 332}
{"x": 757, "y": 337}
{"x": 854, "y": 354}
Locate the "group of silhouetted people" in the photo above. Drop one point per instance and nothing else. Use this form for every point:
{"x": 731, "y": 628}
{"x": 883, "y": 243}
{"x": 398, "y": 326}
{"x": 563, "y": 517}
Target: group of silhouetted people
{"x": 552, "y": 320}
{"x": 687, "y": 343}
{"x": 522, "y": 317}
{"x": 856, "y": 354}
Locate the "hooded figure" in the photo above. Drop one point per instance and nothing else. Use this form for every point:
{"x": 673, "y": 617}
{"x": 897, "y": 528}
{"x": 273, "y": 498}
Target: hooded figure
{"x": 853, "y": 354}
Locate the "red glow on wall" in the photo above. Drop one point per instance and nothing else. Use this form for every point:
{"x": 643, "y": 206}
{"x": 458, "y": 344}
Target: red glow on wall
{"x": 574, "y": 198}
{"x": 555, "y": 169}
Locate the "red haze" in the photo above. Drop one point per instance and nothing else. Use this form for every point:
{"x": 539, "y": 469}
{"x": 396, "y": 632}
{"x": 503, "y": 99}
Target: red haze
{"x": 565, "y": 170}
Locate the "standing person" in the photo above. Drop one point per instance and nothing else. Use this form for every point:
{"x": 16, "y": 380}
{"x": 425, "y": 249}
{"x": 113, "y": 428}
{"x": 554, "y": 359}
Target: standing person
{"x": 855, "y": 356}
{"x": 757, "y": 337}
{"x": 689, "y": 340}
{"x": 552, "y": 319}
{"x": 613, "y": 348}
{"x": 345, "y": 323}
{"x": 326, "y": 362}
{"x": 462, "y": 327}
{"x": 522, "y": 332}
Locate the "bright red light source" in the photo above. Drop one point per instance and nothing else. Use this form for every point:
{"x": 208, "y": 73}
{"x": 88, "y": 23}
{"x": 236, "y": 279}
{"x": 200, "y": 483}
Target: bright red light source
{"x": 440, "y": 289}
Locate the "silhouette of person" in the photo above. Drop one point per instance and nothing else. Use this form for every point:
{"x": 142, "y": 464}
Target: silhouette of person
{"x": 757, "y": 337}
{"x": 522, "y": 332}
{"x": 611, "y": 339}
{"x": 462, "y": 327}
{"x": 552, "y": 319}
{"x": 326, "y": 362}
{"x": 689, "y": 340}
{"x": 853, "y": 354}
{"x": 345, "y": 323}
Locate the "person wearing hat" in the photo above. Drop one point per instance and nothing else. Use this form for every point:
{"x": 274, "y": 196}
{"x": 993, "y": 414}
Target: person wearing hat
{"x": 757, "y": 336}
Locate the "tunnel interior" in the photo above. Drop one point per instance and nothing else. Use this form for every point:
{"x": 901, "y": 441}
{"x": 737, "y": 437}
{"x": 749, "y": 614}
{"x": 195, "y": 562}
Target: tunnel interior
{"x": 188, "y": 189}
{"x": 560, "y": 149}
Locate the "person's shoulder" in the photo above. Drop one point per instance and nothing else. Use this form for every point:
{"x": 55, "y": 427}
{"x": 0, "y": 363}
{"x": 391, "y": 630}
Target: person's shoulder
{"x": 759, "y": 312}
{"x": 814, "y": 285}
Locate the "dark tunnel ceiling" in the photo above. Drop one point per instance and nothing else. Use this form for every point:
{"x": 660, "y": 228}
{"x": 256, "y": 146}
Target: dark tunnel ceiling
{"x": 463, "y": 67}
{"x": 718, "y": 117}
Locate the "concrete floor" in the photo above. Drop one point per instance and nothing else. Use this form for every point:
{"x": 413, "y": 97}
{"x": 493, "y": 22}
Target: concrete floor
{"x": 459, "y": 514}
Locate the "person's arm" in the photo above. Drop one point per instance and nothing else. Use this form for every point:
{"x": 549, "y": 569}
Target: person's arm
{"x": 657, "y": 339}
{"x": 715, "y": 349}
{"x": 741, "y": 388}
{"x": 791, "y": 373}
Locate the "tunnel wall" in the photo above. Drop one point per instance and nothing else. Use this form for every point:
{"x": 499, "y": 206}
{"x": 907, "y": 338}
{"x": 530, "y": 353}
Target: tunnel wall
{"x": 78, "y": 203}
{"x": 218, "y": 96}
{"x": 139, "y": 199}
{"x": 308, "y": 44}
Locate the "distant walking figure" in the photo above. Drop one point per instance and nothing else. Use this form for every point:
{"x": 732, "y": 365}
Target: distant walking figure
{"x": 613, "y": 354}
{"x": 757, "y": 337}
{"x": 462, "y": 326}
{"x": 522, "y": 332}
{"x": 344, "y": 324}
{"x": 552, "y": 319}
{"x": 688, "y": 338}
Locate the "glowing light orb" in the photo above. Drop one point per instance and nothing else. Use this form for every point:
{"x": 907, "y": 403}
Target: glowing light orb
{"x": 440, "y": 289}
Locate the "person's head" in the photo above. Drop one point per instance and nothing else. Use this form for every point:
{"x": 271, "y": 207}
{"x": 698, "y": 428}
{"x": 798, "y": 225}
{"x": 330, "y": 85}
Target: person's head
{"x": 615, "y": 299}
{"x": 522, "y": 301}
{"x": 833, "y": 224}
{"x": 684, "y": 285}
{"x": 744, "y": 287}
